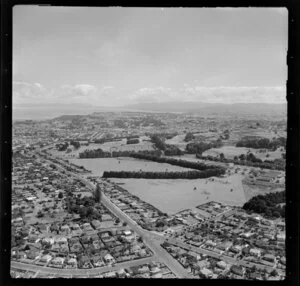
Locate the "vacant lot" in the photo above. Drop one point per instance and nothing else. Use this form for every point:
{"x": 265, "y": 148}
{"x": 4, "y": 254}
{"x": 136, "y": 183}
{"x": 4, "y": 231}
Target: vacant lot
{"x": 99, "y": 165}
{"x": 171, "y": 196}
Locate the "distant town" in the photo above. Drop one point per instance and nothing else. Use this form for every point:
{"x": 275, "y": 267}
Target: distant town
{"x": 149, "y": 195}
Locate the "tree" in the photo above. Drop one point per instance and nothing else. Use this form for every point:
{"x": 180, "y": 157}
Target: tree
{"x": 189, "y": 136}
{"x": 242, "y": 157}
{"x": 98, "y": 193}
{"x": 124, "y": 223}
{"x": 39, "y": 214}
{"x": 274, "y": 273}
{"x": 133, "y": 141}
{"x": 222, "y": 157}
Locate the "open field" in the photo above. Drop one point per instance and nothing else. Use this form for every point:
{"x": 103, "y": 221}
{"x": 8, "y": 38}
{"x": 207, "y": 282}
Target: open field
{"x": 206, "y": 136}
{"x": 108, "y": 146}
{"x": 177, "y": 141}
{"x": 181, "y": 144}
{"x": 231, "y": 151}
{"x": 252, "y": 191}
{"x": 238, "y": 134}
{"x": 99, "y": 165}
{"x": 172, "y": 196}
{"x": 192, "y": 158}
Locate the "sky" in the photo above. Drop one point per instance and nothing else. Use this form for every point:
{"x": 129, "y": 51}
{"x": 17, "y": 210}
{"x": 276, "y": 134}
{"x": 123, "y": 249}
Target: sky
{"x": 118, "y": 56}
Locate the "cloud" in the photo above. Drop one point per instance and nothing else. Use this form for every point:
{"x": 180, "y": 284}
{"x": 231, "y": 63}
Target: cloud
{"x": 238, "y": 94}
{"x": 35, "y": 93}
{"x": 78, "y": 90}
{"x": 220, "y": 94}
{"x": 24, "y": 92}
{"x": 153, "y": 94}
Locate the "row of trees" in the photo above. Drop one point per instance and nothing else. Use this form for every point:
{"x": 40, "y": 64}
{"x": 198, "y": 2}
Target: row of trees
{"x": 262, "y": 143}
{"x": 155, "y": 153}
{"x": 96, "y": 153}
{"x": 99, "y": 153}
{"x": 277, "y": 164}
{"x": 163, "y": 135}
{"x": 133, "y": 141}
{"x": 200, "y": 147}
{"x": 164, "y": 175}
{"x": 177, "y": 162}
{"x": 268, "y": 205}
{"x": 115, "y": 139}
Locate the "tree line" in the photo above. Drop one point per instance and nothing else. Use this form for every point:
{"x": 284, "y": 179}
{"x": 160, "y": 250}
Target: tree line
{"x": 133, "y": 141}
{"x": 262, "y": 143}
{"x": 164, "y": 175}
{"x": 99, "y": 153}
{"x": 277, "y": 164}
{"x": 177, "y": 162}
{"x": 96, "y": 153}
{"x": 164, "y": 135}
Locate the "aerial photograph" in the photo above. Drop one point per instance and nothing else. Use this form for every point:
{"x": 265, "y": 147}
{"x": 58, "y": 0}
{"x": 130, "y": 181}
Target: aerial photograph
{"x": 149, "y": 143}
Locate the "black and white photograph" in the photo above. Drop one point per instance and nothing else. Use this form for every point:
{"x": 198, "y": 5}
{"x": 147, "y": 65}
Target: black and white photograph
{"x": 149, "y": 142}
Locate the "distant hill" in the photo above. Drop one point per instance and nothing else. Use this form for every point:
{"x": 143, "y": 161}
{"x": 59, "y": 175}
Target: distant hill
{"x": 72, "y": 111}
{"x": 67, "y": 117}
{"x": 213, "y": 108}
{"x": 50, "y": 111}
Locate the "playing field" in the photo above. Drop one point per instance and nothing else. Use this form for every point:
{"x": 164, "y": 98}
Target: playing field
{"x": 172, "y": 196}
{"x": 99, "y": 165}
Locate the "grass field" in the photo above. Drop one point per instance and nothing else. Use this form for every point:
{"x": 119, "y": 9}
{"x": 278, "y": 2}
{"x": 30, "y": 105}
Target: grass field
{"x": 171, "y": 196}
{"x": 97, "y": 166}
